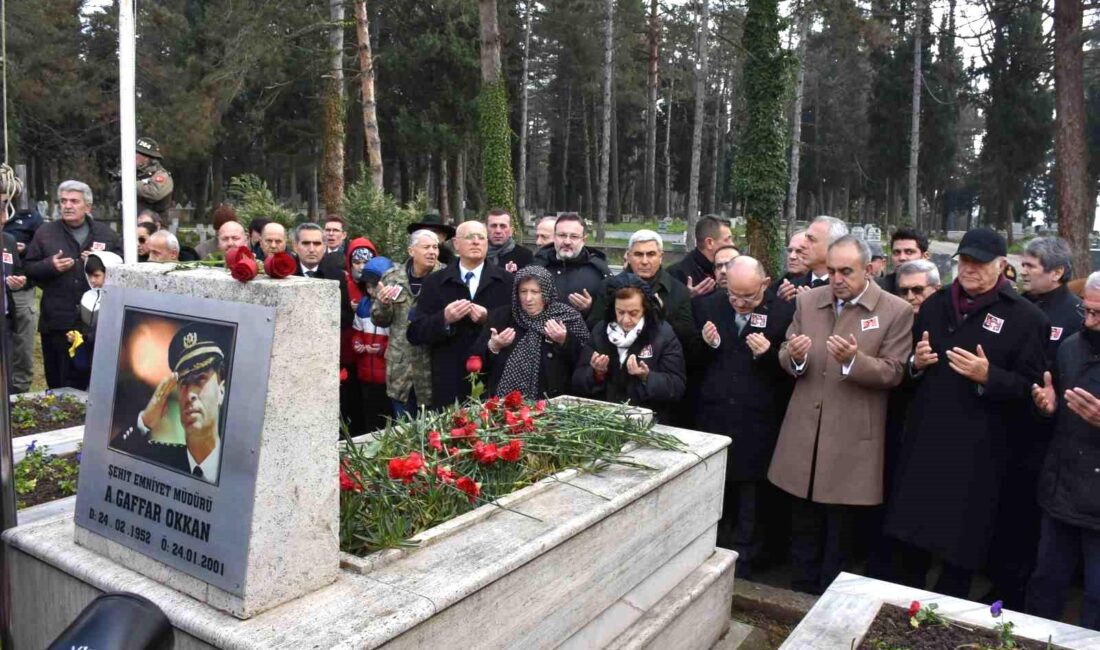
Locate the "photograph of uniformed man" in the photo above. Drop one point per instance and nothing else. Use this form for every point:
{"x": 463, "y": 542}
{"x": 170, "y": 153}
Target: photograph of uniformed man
{"x": 180, "y": 426}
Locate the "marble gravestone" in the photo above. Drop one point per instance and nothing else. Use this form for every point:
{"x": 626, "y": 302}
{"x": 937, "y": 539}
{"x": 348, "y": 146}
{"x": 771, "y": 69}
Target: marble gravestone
{"x": 272, "y": 533}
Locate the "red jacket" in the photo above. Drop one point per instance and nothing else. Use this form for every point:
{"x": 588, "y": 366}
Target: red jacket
{"x": 347, "y": 353}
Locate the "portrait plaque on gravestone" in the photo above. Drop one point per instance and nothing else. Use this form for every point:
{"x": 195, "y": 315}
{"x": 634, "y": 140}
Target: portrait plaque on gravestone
{"x": 175, "y": 415}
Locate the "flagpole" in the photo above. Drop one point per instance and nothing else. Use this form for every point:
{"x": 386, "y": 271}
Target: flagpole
{"x": 127, "y": 118}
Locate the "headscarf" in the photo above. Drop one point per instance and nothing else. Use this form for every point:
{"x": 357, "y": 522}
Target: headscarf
{"x": 523, "y": 368}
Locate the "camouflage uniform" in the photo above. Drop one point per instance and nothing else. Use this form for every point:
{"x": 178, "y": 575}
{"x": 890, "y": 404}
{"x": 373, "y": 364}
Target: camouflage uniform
{"x": 154, "y": 183}
{"x": 408, "y": 366}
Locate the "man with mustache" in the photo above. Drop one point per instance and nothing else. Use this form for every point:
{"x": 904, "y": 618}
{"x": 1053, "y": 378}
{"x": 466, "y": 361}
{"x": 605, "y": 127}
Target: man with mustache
{"x": 197, "y": 358}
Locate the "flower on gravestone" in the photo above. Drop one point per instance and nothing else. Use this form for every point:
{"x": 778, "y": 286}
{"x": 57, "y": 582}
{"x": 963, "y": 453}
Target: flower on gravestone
{"x": 914, "y": 607}
{"x": 453, "y": 451}
{"x": 405, "y": 469}
{"x": 492, "y": 404}
{"x": 434, "y": 441}
{"x": 444, "y": 474}
{"x": 540, "y": 406}
{"x": 486, "y": 454}
{"x": 469, "y": 486}
{"x": 347, "y": 483}
{"x": 473, "y": 365}
{"x": 31, "y": 447}
{"x": 280, "y": 265}
{"x": 513, "y": 400}
{"x": 511, "y": 451}
{"x": 460, "y": 418}
{"x": 996, "y": 607}
{"x": 241, "y": 263}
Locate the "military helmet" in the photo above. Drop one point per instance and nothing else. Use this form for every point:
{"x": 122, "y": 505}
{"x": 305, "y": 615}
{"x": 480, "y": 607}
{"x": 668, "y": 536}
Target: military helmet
{"x": 149, "y": 147}
{"x": 197, "y": 347}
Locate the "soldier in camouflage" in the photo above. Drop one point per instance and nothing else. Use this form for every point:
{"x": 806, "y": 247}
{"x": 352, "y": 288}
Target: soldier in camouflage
{"x": 154, "y": 183}
{"x": 408, "y": 366}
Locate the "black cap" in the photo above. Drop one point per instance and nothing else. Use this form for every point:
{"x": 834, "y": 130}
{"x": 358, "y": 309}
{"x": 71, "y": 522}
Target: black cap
{"x": 197, "y": 347}
{"x": 983, "y": 244}
{"x": 431, "y": 221}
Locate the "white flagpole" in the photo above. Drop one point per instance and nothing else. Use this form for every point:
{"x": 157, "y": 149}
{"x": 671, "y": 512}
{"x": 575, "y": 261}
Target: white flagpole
{"x": 127, "y": 118}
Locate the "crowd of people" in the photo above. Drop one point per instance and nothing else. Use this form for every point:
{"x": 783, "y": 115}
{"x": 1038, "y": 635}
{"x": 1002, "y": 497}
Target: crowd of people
{"x": 926, "y": 432}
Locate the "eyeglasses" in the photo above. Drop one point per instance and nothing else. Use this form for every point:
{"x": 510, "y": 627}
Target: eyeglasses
{"x": 1088, "y": 313}
{"x": 568, "y": 237}
{"x": 916, "y": 291}
{"x": 738, "y": 298}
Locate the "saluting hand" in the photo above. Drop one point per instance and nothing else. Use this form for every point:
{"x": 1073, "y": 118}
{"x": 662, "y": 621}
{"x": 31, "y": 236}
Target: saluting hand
{"x": 158, "y": 403}
{"x": 974, "y": 367}
{"x": 1043, "y": 396}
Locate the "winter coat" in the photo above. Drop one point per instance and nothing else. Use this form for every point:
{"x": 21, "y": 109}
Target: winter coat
{"x": 519, "y": 254}
{"x": 740, "y": 396}
{"x": 1069, "y": 484}
{"x": 585, "y": 271}
{"x": 61, "y": 292}
{"x": 830, "y": 447}
{"x": 331, "y": 267}
{"x": 407, "y": 366}
{"x": 658, "y": 346}
{"x": 556, "y": 361}
{"x": 355, "y": 294}
{"x": 1060, "y": 307}
{"x": 959, "y": 435}
{"x": 452, "y": 344}
{"x": 695, "y": 265}
{"x": 13, "y": 265}
{"x": 370, "y": 368}
{"x": 675, "y": 304}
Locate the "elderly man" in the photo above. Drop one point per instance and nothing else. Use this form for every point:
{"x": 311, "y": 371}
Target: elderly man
{"x": 979, "y": 346}
{"x": 273, "y": 239}
{"x": 54, "y": 260}
{"x": 408, "y": 367}
{"x": 231, "y": 234}
{"x": 916, "y": 281}
{"x": 742, "y": 394}
{"x": 544, "y": 231}
{"x": 163, "y": 247}
{"x": 218, "y": 218}
{"x": 503, "y": 250}
{"x": 1070, "y": 528}
{"x": 821, "y": 234}
{"x": 696, "y": 270}
{"x": 644, "y": 255}
{"x": 1045, "y": 270}
{"x": 445, "y": 232}
{"x": 906, "y": 245}
{"x": 578, "y": 270}
{"x": 453, "y": 306}
{"x": 196, "y": 356}
{"x": 846, "y": 347}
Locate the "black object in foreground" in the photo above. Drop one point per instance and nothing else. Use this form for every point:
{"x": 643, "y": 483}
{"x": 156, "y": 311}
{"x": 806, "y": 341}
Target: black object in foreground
{"x": 120, "y": 621}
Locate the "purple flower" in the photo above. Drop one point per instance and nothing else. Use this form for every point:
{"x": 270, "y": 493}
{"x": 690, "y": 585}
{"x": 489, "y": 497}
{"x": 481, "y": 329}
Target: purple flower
{"x": 31, "y": 447}
{"x": 995, "y": 608}
{"x": 78, "y": 454}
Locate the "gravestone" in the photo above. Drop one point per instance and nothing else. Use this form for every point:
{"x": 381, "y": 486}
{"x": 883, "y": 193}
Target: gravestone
{"x": 256, "y": 525}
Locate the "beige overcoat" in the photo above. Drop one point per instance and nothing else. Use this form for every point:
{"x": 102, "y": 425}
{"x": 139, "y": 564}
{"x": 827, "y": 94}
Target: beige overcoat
{"x": 844, "y": 415}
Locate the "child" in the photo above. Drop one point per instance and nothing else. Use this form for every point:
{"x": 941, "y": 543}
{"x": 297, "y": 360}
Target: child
{"x": 369, "y": 342}
{"x": 83, "y": 338}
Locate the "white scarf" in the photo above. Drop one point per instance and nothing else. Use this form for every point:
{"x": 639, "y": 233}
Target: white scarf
{"x": 623, "y": 340}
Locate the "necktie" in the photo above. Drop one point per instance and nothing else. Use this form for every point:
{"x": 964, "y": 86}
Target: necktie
{"x": 815, "y": 283}
{"x": 742, "y": 320}
{"x": 466, "y": 278}
{"x": 197, "y": 471}
{"x": 840, "y": 307}
{"x": 311, "y": 274}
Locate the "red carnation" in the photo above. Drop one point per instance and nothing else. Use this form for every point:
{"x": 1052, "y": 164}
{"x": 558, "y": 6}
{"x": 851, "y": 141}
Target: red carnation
{"x": 513, "y": 400}
{"x": 241, "y": 263}
{"x": 486, "y": 454}
{"x": 453, "y": 451}
{"x": 280, "y": 265}
{"x": 434, "y": 442}
{"x": 511, "y": 451}
{"x": 404, "y": 469}
{"x": 467, "y": 485}
{"x": 914, "y": 608}
{"x": 473, "y": 365}
{"x": 484, "y": 415}
{"x": 540, "y": 406}
{"x": 444, "y": 474}
{"x": 349, "y": 484}
{"x": 460, "y": 418}
{"x": 493, "y": 404}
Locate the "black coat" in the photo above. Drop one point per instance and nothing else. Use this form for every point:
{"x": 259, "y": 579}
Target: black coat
{"x": 739, "y": 396}
{"x": 1060, "y": 306}
{"x": 332, "y": 268}
{"x": 585, "y": 271}
{"x": 675, "y": 306}
{"x": 61, "y": 292}
{"x": 695, "y": 265}
{"x": 1069, "y": 484}
{"x": 452, "y": 344}
{"x": 519, "y": 254}
{"x": 959, "y": 439}
{"x": 13, "y": 265}
{"x": 664, "y": 356}
{"x": 889, "y": 283}
{"x": 556, "y": 362}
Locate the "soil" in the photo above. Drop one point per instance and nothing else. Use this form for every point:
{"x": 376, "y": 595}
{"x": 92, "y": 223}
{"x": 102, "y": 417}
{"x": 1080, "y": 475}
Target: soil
{"x": 775, "y": 631}
{"x": 44, "y": 490}
{"x": 33, "y": 415}
{"x": 891, "y": 631}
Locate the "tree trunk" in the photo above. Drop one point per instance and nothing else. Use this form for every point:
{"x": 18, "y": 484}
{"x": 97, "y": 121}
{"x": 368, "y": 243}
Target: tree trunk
{"x": 444, "y": 191}
{"x": 796, "y": 120}
{"x": 668, "y": 157}
{"x": 914, "y": 134}
{"x": 614, "y": 196}
{"x": 458, "y": 185}
{"x": 564, "y": 203}
{"x": 1075, "y": 214}
{"x": 496, "y": 131}
{"x": 366, "y": 80}
{"x": 332, "y": 170}
{"x": 588, "y": 197}
{"x": 710, "y": 197}
{"x": 605, "y": 132}
{"x": 521, "y": 184}
{"x": 650, "y": 172}
{"x": 697, "y": 122}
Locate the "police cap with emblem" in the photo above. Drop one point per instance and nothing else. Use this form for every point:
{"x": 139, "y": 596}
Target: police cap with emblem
{"x": 149, "y": 147}
{"x": 197, "y": 347}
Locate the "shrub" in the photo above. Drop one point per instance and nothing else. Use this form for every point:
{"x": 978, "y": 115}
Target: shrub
{"x": 377, "y": 216}
{"x": 251, "y": 199}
